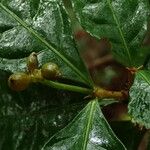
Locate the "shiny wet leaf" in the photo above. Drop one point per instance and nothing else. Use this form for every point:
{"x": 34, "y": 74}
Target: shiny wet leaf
{"x": 88, "y": 131}
{"x": 42, "y": 27}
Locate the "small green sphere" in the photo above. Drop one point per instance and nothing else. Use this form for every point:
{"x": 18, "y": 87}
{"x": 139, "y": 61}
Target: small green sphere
{"x": 50, "y": 71}
{"x": 19, "y": 81}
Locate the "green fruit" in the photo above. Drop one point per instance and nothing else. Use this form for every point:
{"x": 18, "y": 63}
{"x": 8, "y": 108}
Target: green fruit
{"x": 19, "y": 81}
{"x": 32, "y": 62}
{"x": 50, "y": 71}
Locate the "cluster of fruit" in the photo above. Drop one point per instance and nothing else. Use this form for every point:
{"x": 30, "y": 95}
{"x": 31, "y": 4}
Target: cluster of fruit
{"x": 19, "y": 81}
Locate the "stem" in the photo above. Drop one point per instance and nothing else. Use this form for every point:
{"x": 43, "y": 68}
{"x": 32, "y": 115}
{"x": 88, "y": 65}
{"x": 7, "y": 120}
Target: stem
{"x": 63, "y": 86}
{"x": 102, "y": 93}
{"x": 97, "y": 92}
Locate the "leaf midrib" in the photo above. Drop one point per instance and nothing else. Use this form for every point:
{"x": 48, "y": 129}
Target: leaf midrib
{"x": 88, "y": 126}
{"x": 120, "y": 31}
{"x": 30, "y": 30}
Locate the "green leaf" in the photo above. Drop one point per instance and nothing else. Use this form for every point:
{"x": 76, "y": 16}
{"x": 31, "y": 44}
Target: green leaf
{"x": 124, "y": 22}
{"x": 29, "y": 118}
{"x": 40, "y": 26}
{"x": 139, "y": 106}
{"x": 88, "y": 131}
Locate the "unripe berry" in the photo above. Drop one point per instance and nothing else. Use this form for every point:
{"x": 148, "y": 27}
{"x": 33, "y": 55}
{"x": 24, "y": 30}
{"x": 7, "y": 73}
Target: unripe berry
{"x": 19, "y": 81}
{"x": 50, "y": 71}
{"x": 32, "y": 62}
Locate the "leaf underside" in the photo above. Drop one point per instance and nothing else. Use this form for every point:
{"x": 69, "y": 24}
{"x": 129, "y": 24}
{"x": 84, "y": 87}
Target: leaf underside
{"x": 88, "y": 131}
{"x": 139, "y": 106}
{"x": 123, "y": 22}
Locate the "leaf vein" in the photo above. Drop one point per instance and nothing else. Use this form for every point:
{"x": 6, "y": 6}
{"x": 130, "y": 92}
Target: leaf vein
{"x": 120, "y": 31}
{"x": 89, "y": 124}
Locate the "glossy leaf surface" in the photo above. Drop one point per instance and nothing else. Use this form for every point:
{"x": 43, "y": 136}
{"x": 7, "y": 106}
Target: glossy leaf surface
{"x": 139, "y": 106}
{"x": 29, "y": 118}
{"x": 124, "y": 22}
{"x": 39, "y": 26}
{"x": 88, "y": 131}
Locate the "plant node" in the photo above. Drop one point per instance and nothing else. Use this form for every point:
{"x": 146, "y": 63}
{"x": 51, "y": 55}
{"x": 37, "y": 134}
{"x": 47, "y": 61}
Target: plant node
{"x": 102, "y": 93}
{"x": 133, "y": 70}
